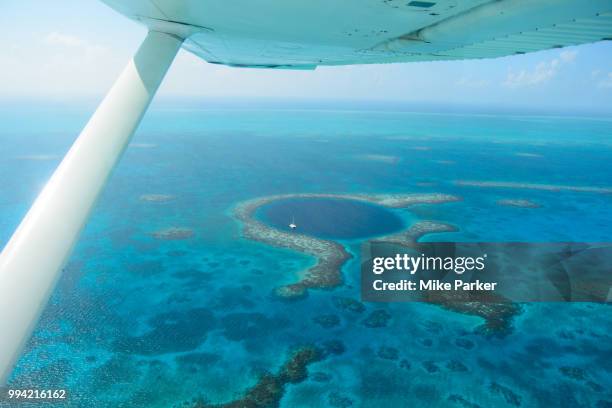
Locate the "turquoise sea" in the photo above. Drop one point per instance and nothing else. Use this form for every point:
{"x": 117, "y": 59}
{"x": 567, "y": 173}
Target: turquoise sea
{"x": 138, "y": 321}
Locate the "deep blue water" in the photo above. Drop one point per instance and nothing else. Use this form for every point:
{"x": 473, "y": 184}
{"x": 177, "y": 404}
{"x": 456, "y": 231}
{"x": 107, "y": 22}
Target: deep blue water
{"x": 137, "y": 321}
{"x": 331, "y": 218}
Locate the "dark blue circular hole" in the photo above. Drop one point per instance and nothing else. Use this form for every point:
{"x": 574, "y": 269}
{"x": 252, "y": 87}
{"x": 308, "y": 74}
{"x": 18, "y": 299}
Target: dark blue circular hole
{"x": 330, "y": 217}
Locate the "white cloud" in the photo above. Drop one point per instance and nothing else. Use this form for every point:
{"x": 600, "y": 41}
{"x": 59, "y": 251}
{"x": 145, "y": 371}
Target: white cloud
{"x": 607, "y": 81}
{"x": 55, "y": 38}
{"x": 568, "y": 55}
{"x": 73, "y": 45}
{"x": 542, "y": 73}
{"x": 67, "y": 54}
{"x": 59, "y": 64}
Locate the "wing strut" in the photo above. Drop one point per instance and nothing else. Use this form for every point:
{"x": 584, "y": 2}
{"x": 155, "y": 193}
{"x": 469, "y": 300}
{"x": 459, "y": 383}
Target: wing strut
{"x": 32, "y": 261}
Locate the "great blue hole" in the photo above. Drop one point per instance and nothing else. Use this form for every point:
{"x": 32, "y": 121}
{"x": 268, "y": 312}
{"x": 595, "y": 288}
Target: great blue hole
{"x": 330, "y": 218}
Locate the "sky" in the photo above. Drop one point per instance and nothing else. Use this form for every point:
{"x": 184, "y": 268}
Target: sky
{"x": 77, "y": 48}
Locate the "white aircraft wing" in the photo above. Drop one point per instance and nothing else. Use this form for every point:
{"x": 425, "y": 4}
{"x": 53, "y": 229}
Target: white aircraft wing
{"x": 307, "y": 33}
{"x": 295, "y": 34}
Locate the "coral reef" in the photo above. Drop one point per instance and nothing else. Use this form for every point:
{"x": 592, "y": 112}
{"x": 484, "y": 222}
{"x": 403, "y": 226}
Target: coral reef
{"x": 381, "y": 158}
{"x": 270, "y": 388}
{"x": 497, "y": 311}
{"x": 171, "y": 332}
{"x": 510, "y": 396}
{"x": 377, "y": 319}
{"x": 245, "y": 325}
{"x": 338, "y": 400}
{"x": 156, "y": 198}
{"x": 580, "y": 374}
{"x": 405, "y": 364}
{"x": 320, "y": 377}
{"x": 333, "y": 347}
{"x": 327, "y": 321}
{"x": 410, "y": 236}
{"x": 388, "y": 353}
{"x": 330, "y": 255}
{"x": 173, "y": 233}
{"x": 456, "y": 366}
{"x": 461, "y": 401}
{"x": 525, "y": 154}
{"x": 517, "y": 202}
{"x": 575, "y": 373}
{"x": 534, "y": 186}
{"x": 464, "y": 343}
{"x": 430, "y": 366}
{"x": 345, "y": 303}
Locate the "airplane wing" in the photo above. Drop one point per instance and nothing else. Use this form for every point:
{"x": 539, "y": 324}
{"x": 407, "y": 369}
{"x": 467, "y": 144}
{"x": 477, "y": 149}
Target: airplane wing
{"x": 290, "y": 34}
{"x": 307, "y": 33}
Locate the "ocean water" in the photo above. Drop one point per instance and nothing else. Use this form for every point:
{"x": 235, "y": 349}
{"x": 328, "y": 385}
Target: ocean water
{"x": 138, "y": 321}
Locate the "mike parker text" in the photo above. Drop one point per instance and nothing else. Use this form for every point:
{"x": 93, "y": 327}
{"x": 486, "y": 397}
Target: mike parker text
{"x": 433, "y": 285}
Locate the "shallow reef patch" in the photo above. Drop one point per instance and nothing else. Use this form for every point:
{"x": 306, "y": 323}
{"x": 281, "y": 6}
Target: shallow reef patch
{"x": 518, "y": 202}
{"x": 349, "y": 304}
{"x": 245, "y": 326}
{"x": 462, "y": 401}
{"x": 271, "y": 387}
{"x": 171, "y": 332}
{"x": 173, "y": 233}
{"x": 534, "y": 186}
{"x": 156, "y": 198}
{"x": 327, "y": 321}
{"x": 388, "y": 353}
{"x": 509, "y": 396}
{"x": 377, "y": 319}
{"x": 380, "y": 158}
{"x": 338, "y": 400}
{"x": 497, "y": 312}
